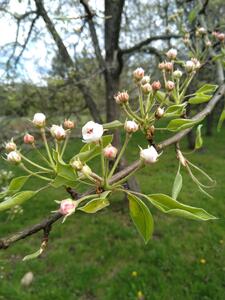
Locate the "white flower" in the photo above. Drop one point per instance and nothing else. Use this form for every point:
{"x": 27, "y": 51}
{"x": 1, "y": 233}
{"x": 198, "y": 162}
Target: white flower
{"x": 130, "y": 126}
{"x": 92, "y": 132}
{"x": 39, "y": 120}
{"x": 14, "y": 157}
{"x": 58, "y": 132}
{"x": 159, "y": 112}
{"x": 189, "y": 66}
{"x": 10, "y": 146}
{"x": 172, "y": 54}
{"x": 149, "y": 155}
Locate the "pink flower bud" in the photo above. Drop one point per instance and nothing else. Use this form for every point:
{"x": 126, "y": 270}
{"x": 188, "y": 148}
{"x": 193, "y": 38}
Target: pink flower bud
{"x": 196, "y": 63}
{"x": 14, "y": 157}
{"x": 68, "y": 124}
{"x": 215, "y": 33}
{"x": 168, "y": 66}
{"x": 28, "y": 138}
{"x": 149, "y": 155}
{"x": 146, "y": 88}
{"x": 110, "y": 152}
{"x": 172, "y": 54}
{"x": 221, "y": 37}
{"x": 121, "y": 97}
{"x": 58, "y": 132}
{"x": 170, "y": 85}
{"x": 131, "y": 126}
{"x": 161, "y": 66}
{"x": 92, "y": 132}
{"x": 39, "y": 120}
{"x": 67, "y": 207}
{"x": 138, "y": 74}
{"x": 10, "y": 146}
{"x": 159, "y": 113}
{"x": 145, "y": 79}
{"x": 208, "y": 43}
{"x": 156, "y": 85}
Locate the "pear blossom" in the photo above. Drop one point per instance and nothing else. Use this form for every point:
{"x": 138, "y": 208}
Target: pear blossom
{"x": 110, "y": 152}
{"x": 149, "y": 155}
{"x": 28, "y": 138}
{"x": 159, "y": 112}
{"x": 10, "y": 146}
{"x": 138, "y": 74}
{"x": 121, "y": 97}
{"x": 58, "y": 132}
{"x": 67, "y": 207}
{"x": 68, "y": 124}
{"x": 172, "y": 54}
{"x": 156, "y": 85}
{"x": 170, "y": 85}
{"x": 131, "y": 126}
{"x": 14, "y": 157}
{"x": 146, "y": 88}
{"x": 39, "y": 120}
{"x": 92, "y": 132}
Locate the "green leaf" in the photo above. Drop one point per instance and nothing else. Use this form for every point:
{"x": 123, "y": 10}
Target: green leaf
{"x": 161, "y": 97}
{"x": 141, "y": 217}
{"x": 181, "y": 124}
{"x": 62, "y": 181}
{"x": 198, "y": 139}
{"x": 175, "y": 110}
{"x": 177, "y": 185}
{"x": 207, "y": 89}
{"x": 199, "y": 98}
{"x": 94, "y": 205}
{"x": 221, "y": 120}
{"x": 113, "y": 125}
{"x": 170, "y": 206}
{"x": 17, "y": 199}
{"x": 192, "y": 15}
{"x": 17, "y": 183}
{"x": 33, "y": 255}
{"x": 63, "y": 169}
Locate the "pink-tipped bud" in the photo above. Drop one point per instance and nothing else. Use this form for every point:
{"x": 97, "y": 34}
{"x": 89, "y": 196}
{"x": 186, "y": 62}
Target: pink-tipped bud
{"x": 28, "y": 138}
{"x": 208, "y": 43}
{"x": 172, "y": 54}
{"x": 221, "y": 37}
{"x": 138, "y": 74}
{"x": 14, "y": 157}
{"x": 159, "y": 113}
{"x": 215, "y": 33}
{"x": 110, "y": 152}
{"x": 168, "y": 66}
{"x": 145, "y": 79}
{"x": 161, "y": 66}
{"x": 58, "y": 132}
{"x": 10, "y": 146}
{"x": 68, "y": 124}
{"x": 156, "y": 85}
{"x": 131, "y": 126}
{"x": 146, "y": 88}
{"x": 170, "y": 85}
{"x": 149, "y": 155}
{"x": 39, "y": 120}
{"x": 67, "y": 207}
{"x": 121, "y": 97}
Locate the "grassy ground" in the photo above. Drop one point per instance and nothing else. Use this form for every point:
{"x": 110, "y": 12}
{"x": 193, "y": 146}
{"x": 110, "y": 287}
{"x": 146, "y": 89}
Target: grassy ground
{"x": 102, "y": 256}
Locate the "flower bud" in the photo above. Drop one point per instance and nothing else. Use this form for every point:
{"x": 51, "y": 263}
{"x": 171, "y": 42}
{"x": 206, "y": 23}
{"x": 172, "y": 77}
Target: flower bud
{"x": 92, "y": 132}
{"x": 39, "y": 120}
{"x": 177, "y": 74}
{"x": 110, "y": 152}
{"x": 67, "y": 207}
{"x": 150, "y": 132}
{"x": 189, "y": 66}
{"x": 10, "y": 146}
{"x": 200, "y": 31}
{"x": 138, "y": 74}
{"x": 149, "y": 155}
{"x": 159, "y": 113}
{"x": 196, "y": 63}
{"x": 170, "y": 85}
{"x": 76, "y": 164}
{"x": 221, "y": 37}
{"x": 28, "y": 138}
{"x": 131, "y": 126}
{"x": 156, "y": 85}
{"x": 168, "y": 66}
{"x": 172, "y": 54}
{"x": 161, "y": 66}
{"x": 86, "y": 170}
{"x": 68, "y": 124}
{"x": 58, "y": 132}
{"x": 121, "y": 97}
{"x": 146, "y": 88}
{"x": 145, "y": 79}
{"x": 14, "y": 157}
{"x": 208, "y": 43}
{"x": 215, "y": 33}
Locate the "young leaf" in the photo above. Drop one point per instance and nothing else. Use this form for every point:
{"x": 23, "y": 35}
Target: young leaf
{"x": 177, "y": 185}
{"x": 198, "y": 139}
{"x": 175, "y": 110}
{"x": 207, "y": 89}
{"x": 221, "y": 120}
{"x": 33, "y": 255}
{"x": 17, "y": 199}
{"x": 113, "y": 125}
{"x": 169, "y": 205}
{"x": 181, "y": 124}
{"x": 199, "y": 98}
{"x": 141, "y": 217}
{"x": 17, "y": 183}
{"x": 94, "y": 205}
{"x": 62, "y": 181}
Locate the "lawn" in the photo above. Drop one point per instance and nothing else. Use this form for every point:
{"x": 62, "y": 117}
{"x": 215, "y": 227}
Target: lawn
{"x": 102, "y": 256}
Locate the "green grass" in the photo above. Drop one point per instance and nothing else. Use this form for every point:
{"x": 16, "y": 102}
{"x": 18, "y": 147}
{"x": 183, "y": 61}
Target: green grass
{"x": 93, "y": 256}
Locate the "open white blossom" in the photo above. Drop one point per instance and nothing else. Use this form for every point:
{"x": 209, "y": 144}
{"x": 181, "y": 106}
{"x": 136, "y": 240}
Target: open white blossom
{"x": 92, "y": 132}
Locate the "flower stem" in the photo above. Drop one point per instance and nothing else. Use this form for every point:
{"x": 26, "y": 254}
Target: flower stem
{"x": 34, "y": 164}
{"x": 65, "y": 144}
{"x": 34, "y": 174}
{"x": 47, "y": 147}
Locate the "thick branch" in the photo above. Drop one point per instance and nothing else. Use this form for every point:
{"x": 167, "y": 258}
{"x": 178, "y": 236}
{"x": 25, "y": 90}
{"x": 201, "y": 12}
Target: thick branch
{"x": 148, "y": 41}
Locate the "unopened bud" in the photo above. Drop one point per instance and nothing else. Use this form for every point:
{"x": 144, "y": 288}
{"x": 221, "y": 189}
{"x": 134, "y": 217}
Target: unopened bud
{"x": 172, "y": 54}
{"x": 146, "y": 88}
{"x": 150, "y": 132}
{"x": 200, "y": 31}
{"x": 221, "y": 37}
{"x": 121, "y": 97}
{"x": 156, "y": 85}
{"x": 196, "y": 63}
{"x": 145, "y": 79}
{"x": 110, "y": 152}
{"x": 161, "y": 66}
{"x": 168, "y": 66}
{"x": 208, "y": 43}
{"x": 86, "y": 170}
{"x": 131, "y": 126}
{"x": 28, "y": 138}
{"x": 10, "y": 146}
{"x": 14, "y": 157}
{"x": 170, "y": 85}
{"x": 67, "y": 207}
{"x": 77, "y": 164}
{"x": 159, "y": 113}
{"x": 138, "y": 74}
{"x": 58, "y": 132}
{"x": 149, "y": 155}
{"x": 68, "y": 124}
{"x": 39, "y": 120}
{"x": 189, "y": 66}
{"x": 177, "y": 74}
